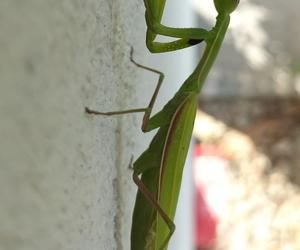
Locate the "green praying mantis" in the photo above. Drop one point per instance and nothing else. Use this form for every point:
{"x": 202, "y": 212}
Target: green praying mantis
{"x": 158, "y": 170}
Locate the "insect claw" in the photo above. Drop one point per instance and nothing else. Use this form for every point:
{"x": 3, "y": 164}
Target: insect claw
{"x": 131, "y": 53}
{"x": 130, "y": 165}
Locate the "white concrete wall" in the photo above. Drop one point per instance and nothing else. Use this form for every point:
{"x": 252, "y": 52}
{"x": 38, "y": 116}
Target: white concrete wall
{"x": 64, "y": 182}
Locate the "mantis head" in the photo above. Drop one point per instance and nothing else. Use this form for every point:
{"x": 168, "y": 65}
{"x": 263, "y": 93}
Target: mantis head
{"x": 226, "y": 6}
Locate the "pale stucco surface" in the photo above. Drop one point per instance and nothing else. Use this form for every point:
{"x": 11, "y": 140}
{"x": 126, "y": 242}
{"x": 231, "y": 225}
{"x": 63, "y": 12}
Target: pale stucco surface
{"x": 64, "y": 181}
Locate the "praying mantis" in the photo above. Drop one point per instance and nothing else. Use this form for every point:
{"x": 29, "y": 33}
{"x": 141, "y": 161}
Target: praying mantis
{"x": 158, "y": 170}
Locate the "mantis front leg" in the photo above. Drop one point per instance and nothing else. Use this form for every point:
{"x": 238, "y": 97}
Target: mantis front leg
{"x": 158, "y": 47}
{"x": 188, "y": 36}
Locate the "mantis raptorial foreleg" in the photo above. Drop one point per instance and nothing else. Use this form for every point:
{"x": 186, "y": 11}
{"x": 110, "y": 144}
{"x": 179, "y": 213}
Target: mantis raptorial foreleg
{"x": 153, "y": 15}
{"x": 158, "y": 47}
{"x": 188, "y": 33}
{"x": 147, "y": 111}
{"x": 188, "y": 36}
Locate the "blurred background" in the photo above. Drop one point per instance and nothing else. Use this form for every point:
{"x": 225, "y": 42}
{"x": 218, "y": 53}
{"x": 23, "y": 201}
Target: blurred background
{"x": 241, "y": 185}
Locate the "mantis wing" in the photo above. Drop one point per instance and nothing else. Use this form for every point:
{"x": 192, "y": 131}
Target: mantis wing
{"x": 161, "y": 167}
{"x": 174, "y": 156}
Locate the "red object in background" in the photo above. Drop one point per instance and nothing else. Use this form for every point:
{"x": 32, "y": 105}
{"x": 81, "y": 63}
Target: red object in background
{"x": 209, "y": 166}
{"x": 206, "y": 223}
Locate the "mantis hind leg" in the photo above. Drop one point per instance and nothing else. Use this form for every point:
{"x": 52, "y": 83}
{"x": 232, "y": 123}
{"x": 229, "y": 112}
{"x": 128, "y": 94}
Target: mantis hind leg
{"x": 149, "y": 196}
{"x": 147, "y": 111}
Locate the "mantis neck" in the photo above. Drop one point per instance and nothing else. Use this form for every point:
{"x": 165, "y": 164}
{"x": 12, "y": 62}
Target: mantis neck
{"x": 213, "y": 45}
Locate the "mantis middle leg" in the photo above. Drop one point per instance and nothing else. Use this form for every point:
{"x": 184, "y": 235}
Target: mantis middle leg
{"x": 147, "y": 110}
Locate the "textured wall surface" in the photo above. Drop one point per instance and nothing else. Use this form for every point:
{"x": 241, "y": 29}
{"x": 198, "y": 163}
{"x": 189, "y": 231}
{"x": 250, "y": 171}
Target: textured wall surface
{"x": 64, "y": 181}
